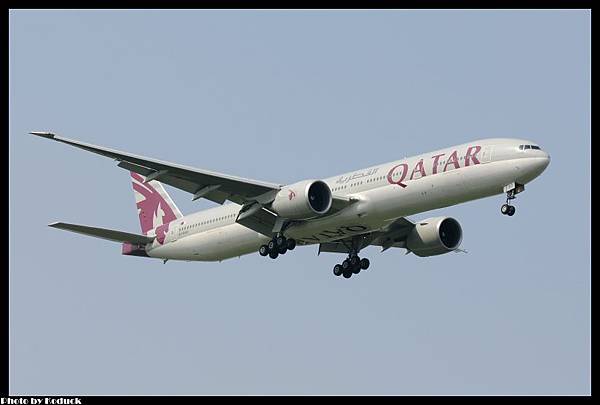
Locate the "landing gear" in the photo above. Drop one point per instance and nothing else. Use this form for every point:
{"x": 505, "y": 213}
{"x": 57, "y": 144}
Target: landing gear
{"x": 508, "y": 210}
{"x": 352, "y": 265}
{"x": 511, "y": 191}
{"x": 279, "y": 245}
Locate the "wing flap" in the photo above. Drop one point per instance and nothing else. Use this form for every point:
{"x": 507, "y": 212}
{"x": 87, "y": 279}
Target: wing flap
{"x": 338, "y": 203}
{"x": 103, "y": 233}
{"x": 261, "y": 221}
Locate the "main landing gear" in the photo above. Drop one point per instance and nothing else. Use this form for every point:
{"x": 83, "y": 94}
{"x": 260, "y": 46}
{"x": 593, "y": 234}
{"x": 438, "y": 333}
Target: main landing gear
{"x": 279, "y": 245}
{"x": 352, "y": 265}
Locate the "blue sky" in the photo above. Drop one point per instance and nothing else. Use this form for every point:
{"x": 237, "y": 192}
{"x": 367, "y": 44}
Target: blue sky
{"x": 282, "y": 96}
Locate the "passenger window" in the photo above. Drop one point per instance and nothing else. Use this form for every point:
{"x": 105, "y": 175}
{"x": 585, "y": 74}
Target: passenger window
{"x": 521, "y": 147}
{"x": 535, "y": 147}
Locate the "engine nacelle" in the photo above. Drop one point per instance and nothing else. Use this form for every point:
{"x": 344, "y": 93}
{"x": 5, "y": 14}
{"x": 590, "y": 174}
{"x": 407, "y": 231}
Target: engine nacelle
{"x": 434, "y": 236}
{"x": 303, "y": 200}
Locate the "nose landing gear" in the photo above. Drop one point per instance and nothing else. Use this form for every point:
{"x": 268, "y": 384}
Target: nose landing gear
{"x": 511, "y": 191}
{"x": 279, "y": 245}
{"x": 507, "y": 209}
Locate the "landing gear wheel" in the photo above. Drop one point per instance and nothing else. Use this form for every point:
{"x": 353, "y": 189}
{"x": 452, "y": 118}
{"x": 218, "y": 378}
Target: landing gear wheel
{"x": 356, "y": 268}
{"x": 364, "y": 264}
{"x": 280, "y": 241}
{"x": 273, "y": 254}
{"x": 271, "y": 245}
{"x": 263, "y": 250}
{"x": 511, "y": 210}
{"x": 505, "y": 209}
{"x": 347, "y": 274}
{"x": 291, "y": 244}
{"x": 354, "y": 260}
{"x": 337, "y": 270}
{"x": 282, "y": 250}
{"x": 346, "y": 265}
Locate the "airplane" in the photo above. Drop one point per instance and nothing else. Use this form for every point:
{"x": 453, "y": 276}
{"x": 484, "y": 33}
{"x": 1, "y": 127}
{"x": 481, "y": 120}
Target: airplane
{"x": 340, "y": 214}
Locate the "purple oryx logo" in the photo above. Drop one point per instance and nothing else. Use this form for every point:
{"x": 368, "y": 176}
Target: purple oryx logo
{"x": 161, "y": 232}
{"x": 153, "y": 210}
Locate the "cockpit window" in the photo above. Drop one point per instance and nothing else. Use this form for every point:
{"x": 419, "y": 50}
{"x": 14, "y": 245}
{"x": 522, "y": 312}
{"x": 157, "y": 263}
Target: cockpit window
{"x": 523, "y": 147}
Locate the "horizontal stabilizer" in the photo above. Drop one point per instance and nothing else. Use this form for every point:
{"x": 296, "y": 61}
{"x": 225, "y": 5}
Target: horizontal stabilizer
{"x": 109, "y": 234}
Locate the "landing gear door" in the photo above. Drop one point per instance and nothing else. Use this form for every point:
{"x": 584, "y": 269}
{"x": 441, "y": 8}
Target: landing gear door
{"x": 486, "y": 154}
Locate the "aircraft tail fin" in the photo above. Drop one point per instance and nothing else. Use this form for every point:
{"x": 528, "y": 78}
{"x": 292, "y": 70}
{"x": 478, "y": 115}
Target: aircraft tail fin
{"x": 155, "y": 207}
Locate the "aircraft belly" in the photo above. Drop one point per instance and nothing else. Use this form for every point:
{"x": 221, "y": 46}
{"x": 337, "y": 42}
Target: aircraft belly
{"x": 357, "y": 219}
{"x": 212, "y": 245}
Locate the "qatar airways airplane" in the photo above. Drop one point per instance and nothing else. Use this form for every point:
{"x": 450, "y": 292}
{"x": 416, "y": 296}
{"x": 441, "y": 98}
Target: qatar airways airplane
{"x": 341, "y": 214}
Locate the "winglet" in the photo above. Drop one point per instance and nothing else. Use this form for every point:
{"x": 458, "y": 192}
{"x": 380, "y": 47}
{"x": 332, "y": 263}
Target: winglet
{"x": 48, "y": 135}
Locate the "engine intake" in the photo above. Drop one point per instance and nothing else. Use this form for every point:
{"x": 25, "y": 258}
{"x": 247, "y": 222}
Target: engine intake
{"x": 303, "y": 200}
{"x": 434, "y": 236}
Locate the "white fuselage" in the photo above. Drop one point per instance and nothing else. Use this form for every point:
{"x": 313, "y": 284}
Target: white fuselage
{"x": 385, "y": 192}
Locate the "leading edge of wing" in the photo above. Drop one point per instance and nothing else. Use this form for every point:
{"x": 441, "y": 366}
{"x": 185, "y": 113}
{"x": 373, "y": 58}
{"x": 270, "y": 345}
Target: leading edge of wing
{"x": 129, "y": 157}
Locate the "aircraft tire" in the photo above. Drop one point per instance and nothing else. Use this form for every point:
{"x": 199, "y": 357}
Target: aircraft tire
{"x": 263, "y": 250}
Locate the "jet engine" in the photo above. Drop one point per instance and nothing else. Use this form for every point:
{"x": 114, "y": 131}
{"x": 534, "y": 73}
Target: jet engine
{"x": 434, "y": 236}
{"x": 303, "y": 200}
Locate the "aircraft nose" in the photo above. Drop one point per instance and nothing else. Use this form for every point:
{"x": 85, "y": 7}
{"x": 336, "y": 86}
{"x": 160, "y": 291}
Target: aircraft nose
{"x": 539, "y": 164}
{"x": 545, "y": 161}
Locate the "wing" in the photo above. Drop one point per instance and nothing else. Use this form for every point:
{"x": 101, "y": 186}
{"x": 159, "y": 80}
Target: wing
{"x": 213, "y": 186}
{"x": 392, "y": 235}
{"x": 217, "y": 187}
{"x": 109, "y": 234}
